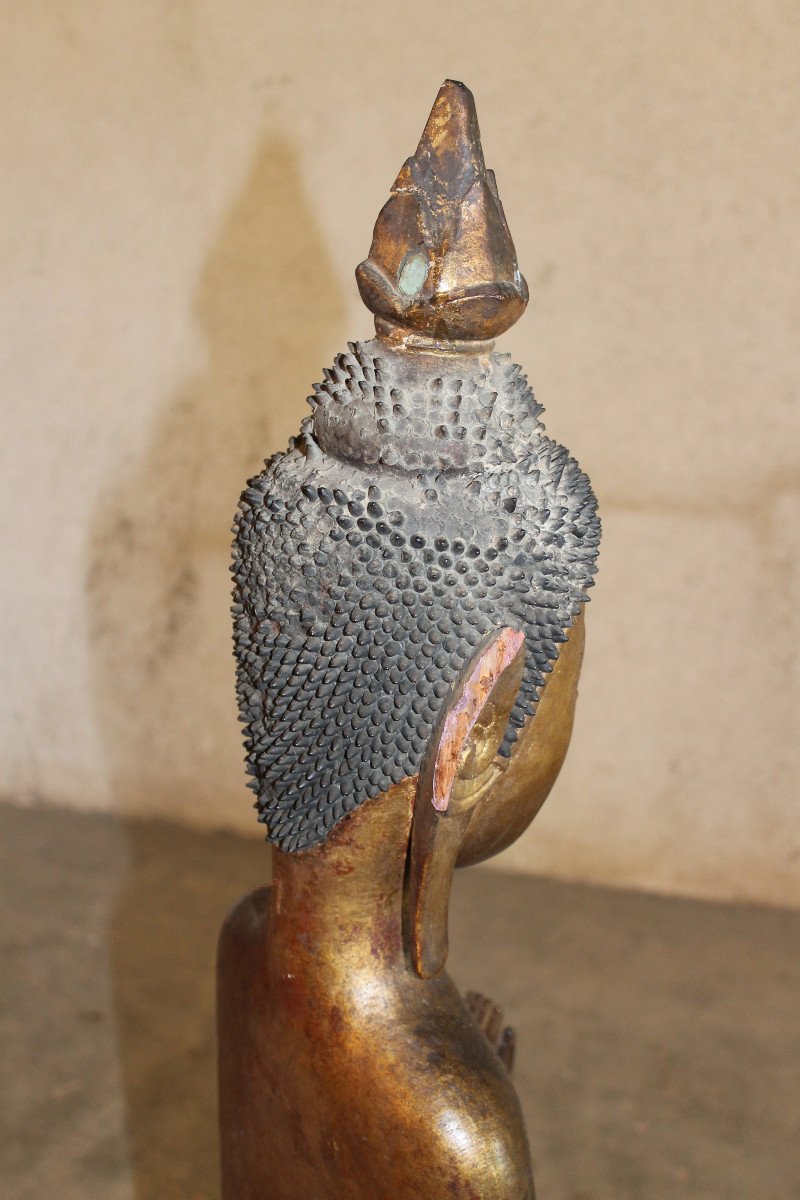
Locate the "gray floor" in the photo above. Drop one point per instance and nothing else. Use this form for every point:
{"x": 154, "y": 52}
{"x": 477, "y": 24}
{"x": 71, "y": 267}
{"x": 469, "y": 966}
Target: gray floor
{"x": 659, "y": 1040}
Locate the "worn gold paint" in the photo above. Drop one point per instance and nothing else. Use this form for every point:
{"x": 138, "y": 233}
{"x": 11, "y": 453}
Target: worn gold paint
{"x": 329, "y": 1039}
{"x": 466, "y": 741}
{"x": 343, "y": 1074}
{"x": 524, "y": 781}
{"x": 350, "y": 1066}
{"x": 444, "y": 208}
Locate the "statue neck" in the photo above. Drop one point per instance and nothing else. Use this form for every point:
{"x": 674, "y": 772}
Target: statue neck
{"x": 344, "y": 899}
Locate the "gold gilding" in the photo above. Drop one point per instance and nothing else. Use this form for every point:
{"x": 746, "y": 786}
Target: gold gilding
{"x": 343, "y": 1074}
{"x": 350, "y": 1066}
{"x": 442, "y": 262}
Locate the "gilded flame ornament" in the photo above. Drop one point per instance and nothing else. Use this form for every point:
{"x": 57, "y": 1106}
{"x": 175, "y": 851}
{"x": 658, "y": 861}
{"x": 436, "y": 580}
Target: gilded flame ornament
{"x": 408, "y": 587}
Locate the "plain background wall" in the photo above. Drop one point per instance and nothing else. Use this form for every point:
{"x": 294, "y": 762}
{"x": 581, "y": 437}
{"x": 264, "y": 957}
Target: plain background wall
{"x": 186, "y": 190}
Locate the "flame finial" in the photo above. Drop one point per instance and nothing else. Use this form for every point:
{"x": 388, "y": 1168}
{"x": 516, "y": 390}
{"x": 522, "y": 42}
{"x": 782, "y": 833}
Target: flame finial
{"x": 442, "y": 263}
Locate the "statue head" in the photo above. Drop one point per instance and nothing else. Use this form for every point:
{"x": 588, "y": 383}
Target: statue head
{"x": 421, "y": 510}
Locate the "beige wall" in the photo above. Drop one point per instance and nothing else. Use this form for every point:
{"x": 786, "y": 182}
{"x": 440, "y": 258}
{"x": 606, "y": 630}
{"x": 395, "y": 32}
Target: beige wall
{"x": 187, "y": 187}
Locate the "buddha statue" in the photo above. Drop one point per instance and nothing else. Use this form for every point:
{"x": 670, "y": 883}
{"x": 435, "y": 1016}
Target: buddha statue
{"x": 409, "y": 581}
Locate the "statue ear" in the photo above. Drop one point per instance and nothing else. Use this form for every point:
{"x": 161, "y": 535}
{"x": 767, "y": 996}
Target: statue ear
{"x": 525, "y": 779}
{"x": 456, "y": 772}
{"x": 474, "y": 717}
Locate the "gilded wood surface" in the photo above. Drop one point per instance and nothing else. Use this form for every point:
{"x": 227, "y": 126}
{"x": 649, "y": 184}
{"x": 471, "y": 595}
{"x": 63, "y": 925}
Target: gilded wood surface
{"x": 343, "y": 1075}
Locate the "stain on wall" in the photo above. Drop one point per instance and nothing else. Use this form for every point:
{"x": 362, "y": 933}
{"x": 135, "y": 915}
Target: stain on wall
{"x": 158, "y": 583}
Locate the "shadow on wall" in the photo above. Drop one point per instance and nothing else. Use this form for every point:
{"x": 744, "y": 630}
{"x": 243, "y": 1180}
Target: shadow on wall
{"x": 158, "y": 596}
{"x": 159, "y": 587}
